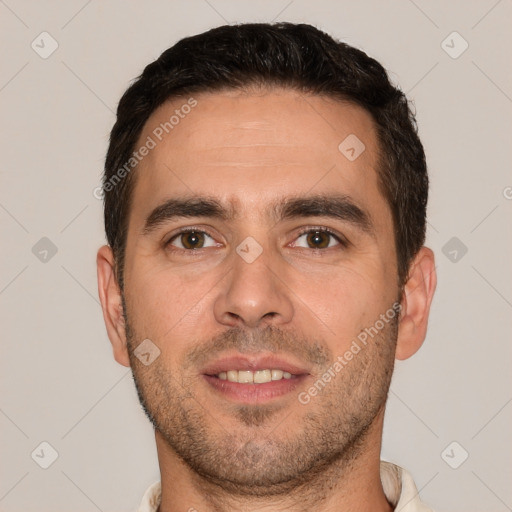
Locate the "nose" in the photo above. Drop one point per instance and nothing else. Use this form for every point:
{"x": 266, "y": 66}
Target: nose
{"x": 254, "y": 294}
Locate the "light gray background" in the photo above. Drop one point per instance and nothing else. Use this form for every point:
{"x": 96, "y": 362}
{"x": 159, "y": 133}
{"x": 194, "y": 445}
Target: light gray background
{"x": 59, "y": 381}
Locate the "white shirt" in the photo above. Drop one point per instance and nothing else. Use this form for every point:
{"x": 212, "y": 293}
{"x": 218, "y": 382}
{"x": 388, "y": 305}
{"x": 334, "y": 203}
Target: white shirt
{"x": 397, "y": 483}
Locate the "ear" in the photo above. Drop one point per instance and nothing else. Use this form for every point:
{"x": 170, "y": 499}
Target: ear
{"x": 416, "y": 299}
{"x": 111, "y": 304}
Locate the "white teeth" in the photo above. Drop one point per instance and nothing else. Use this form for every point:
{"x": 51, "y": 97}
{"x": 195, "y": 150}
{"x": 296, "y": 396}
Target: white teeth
{"x": 257, "y": 377}
{"x": 245, "y": 377}
{"x": 262, "y": 376}
{"x": 277, "y": 374}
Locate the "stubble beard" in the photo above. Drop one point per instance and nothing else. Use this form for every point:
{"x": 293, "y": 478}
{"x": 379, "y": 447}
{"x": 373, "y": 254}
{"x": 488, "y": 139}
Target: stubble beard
{"x": 272, "y": 451}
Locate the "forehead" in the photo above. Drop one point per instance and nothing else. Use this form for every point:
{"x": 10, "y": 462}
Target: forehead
{"x": 247, "y": 147}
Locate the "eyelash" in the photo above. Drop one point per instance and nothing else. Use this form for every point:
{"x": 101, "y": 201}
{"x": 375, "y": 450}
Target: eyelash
{"x": 341, "y": 240}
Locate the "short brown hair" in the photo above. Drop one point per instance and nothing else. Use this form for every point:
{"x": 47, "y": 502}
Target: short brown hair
{"x": 294, "y": 56}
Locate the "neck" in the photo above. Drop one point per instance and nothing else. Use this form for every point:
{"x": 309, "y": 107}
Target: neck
{"x": 348, "y": 485}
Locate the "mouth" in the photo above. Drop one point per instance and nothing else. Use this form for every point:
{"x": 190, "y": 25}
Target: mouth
{"x": 256, "y": 377}
{"x": 253, "y": 380}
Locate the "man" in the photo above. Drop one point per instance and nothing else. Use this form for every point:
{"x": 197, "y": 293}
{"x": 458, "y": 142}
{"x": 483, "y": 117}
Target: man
{"x": 265, "y": 196}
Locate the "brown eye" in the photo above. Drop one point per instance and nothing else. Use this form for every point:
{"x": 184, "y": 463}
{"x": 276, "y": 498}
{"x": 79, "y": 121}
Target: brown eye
{"x": 190, "y": 240}
{"x": 317, "y": 239}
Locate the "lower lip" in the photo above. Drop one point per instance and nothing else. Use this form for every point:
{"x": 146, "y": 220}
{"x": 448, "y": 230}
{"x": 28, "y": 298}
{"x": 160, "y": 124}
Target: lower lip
{"x": 254, "y": 393}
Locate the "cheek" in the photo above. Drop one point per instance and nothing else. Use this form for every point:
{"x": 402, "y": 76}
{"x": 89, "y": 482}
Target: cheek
{"x": 347, "y": 301}
{"x": 166, "y": 303}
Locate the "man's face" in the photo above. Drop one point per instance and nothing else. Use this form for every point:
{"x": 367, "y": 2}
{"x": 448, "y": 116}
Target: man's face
{"x": 291, "y": 258}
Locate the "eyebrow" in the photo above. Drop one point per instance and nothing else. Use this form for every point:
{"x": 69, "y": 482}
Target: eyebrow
{"x": 339, "y": 207}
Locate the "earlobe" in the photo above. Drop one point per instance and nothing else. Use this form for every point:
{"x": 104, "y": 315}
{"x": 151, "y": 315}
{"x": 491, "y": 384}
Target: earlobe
{"x": 416, "y": 299}
{"x": 111, "y": 304}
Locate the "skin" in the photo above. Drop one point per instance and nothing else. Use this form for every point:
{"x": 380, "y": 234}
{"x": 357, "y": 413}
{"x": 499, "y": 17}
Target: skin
{"x": 303, "y": 303}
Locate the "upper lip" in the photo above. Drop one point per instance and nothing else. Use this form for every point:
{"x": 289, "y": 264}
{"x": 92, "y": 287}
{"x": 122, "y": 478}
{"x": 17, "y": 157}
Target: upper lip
{"x": 253, "y": 363}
